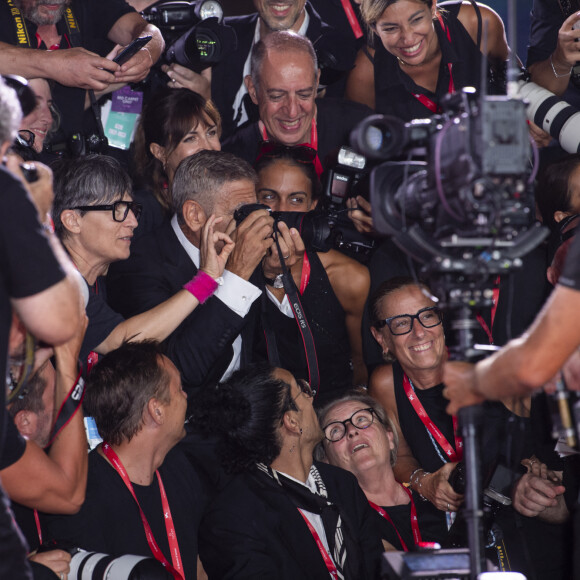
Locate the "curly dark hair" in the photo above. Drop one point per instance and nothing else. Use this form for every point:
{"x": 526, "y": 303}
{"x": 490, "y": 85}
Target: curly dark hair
{"x": 246, "y": 413}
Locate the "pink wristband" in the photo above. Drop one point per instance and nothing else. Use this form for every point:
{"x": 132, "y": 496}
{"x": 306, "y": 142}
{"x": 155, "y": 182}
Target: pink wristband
{"x": 202, "y": 286}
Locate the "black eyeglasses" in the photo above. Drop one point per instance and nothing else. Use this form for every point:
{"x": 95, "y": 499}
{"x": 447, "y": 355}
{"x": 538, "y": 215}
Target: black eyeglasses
{"x": 361, "y": 419}
{"x": 403, "y": 324}
{"x": 305, "y": 389}
{"x": 299, "y": 153}
{"x": 120, "y": 209}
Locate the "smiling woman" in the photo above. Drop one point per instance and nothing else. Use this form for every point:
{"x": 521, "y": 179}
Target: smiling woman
{"x": 408, "y": 327}
{"x": 422, "y": 53}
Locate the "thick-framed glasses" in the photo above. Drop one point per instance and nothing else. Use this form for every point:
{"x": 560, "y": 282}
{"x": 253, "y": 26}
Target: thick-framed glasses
{"x": 361, "y": 419}
{"x": 119, "y": 209}
{"x": 305, "y": 389}
{"x": 403, "y": 323}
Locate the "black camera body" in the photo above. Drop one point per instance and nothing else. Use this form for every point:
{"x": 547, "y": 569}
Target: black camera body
{"x": 193, "y": 40}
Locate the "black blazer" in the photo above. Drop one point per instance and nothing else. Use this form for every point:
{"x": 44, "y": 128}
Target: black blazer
{"x": 227, "y": 76}
{"x": 253, "y": 531}
{"x": 159, "y": 266}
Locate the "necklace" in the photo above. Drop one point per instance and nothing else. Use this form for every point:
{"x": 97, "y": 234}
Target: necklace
{"x": 403, "y": 63}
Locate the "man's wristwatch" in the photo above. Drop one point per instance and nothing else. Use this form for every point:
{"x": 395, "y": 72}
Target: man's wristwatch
{"x": 275, "y": 282}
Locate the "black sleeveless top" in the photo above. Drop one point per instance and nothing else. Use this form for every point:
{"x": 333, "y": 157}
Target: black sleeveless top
{"x": 394, "y": 89}
{"x": 412, "y": 427}
{"x": 326, "y": 318}
{"x": 432, "y": 524}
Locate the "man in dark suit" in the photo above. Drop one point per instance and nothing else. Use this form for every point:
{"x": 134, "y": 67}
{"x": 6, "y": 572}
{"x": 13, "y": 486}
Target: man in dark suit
{"x": 209, "y": 343}
{"x": 224, "y": 83}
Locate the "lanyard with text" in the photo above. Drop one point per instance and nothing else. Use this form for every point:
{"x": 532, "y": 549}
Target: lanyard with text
{"x": 23, "y": 37}
{"x": 177, "y": 569}
{"x": 453, "y": 454}
{"x": 351, "y": 17}
{"x": 414, "y": 522}
{"x": 325, "y": 555}
{"x": 66, "y": 412}
{"x": 312, "y": 144}
{"x": 424, "y": 99}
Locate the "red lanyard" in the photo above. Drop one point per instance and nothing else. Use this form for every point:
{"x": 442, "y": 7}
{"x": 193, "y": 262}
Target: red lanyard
{"x": 313, "y": 143}
{"x": 305, "y": 277}
{"x": 351, "y": 17}
{"x": 424, "y": 99}
{"x": 453, "y": 454}
{"x": 327, "y": 559}
{"x": 177, "y": 569}
{"x": 414, "y": 522}
{"x": 481, "y": 320}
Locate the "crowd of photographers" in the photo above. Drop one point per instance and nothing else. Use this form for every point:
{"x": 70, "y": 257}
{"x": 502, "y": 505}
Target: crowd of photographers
{"x": 181, "y": 205}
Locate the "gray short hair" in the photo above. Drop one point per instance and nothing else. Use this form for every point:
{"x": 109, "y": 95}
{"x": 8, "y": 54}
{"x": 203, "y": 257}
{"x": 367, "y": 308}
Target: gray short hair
{"x": 200, "y": 177}
{"x": 281, "y": 41}
{"x": 90, "y": 180}
{"x": 358, "y": 396}
{"x": 10, "y": 113}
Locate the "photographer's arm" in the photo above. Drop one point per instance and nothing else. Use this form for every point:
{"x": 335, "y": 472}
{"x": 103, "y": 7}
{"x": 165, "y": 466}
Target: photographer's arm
{"x": 55, "y": 482}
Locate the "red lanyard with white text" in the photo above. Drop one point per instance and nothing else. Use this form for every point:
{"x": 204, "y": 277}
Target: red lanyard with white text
{"x": 313, "y": 143}
{"x": 424, "y": 99}
{"x": 177, "y": 569}
{"x": 453, "y": 454}
{"x": 414, "y": 522}
{"x": 326, "y": 557}
{"x": 352, "y": 20}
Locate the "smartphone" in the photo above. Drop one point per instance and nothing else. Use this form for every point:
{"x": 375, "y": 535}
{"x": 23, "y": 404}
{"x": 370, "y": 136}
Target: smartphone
{"x": 132, "y": 49}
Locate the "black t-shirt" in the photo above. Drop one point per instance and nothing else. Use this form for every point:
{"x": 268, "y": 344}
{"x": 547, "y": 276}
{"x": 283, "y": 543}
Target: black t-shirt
{"x": 27, "y": 263}
{"x": 109, "y": 520}
{"x": 94, "y": 18}
{"x": 102, "y": 318}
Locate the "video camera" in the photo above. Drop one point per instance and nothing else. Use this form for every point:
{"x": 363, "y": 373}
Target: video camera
{"x": 455, "y": 192}
{"x": 193, "y": 31}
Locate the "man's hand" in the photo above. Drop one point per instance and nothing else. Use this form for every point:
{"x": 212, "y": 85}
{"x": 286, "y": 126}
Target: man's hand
{"x": 460, "y": 386}
{"x": 292, "y": 248}
{"x": 40, "y": 190}
{"x": 78, "y": 67}
{"x": 253, "y": 238}
{"x": 538, "y": 491}
{"x": 360, "y": 214}
{"x": 212, "y": 262}
{"x": 181, "y": 77}
{"x": 136, "y": 68}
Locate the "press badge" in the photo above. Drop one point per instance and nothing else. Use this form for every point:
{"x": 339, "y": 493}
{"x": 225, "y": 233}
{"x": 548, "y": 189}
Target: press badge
{"x": 122, "y": 114}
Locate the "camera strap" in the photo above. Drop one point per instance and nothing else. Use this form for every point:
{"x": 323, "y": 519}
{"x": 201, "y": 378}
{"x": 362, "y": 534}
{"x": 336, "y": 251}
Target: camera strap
{"x": 301, "y": 320}
{"x": 452, "y": 454}
{"x": 414, "y": 521}
{"x": 177, "y": 569}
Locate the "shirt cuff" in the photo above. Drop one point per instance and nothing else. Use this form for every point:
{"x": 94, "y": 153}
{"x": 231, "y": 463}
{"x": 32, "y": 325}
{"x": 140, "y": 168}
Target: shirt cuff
{"x": 237, "y": 294}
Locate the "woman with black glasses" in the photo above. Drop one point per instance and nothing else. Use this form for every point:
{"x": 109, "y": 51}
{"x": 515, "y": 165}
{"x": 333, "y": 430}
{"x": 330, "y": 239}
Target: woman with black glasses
{"x": 95, "y": 218}
{"x": 408, "y": 327}
{"x": 360, "y": 437}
